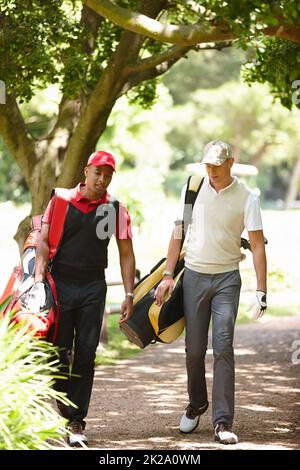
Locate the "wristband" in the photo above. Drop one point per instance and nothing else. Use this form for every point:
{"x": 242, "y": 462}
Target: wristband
{"x": 168, "y": 273}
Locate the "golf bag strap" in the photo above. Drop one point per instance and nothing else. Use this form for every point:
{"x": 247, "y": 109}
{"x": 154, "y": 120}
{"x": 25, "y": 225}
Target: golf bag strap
{"x": 32, "y": 238}
{"x": 36, "y": 222}
{"x": 59, "y": 212}
{"x": 62, "y": 197}
{"x": 56, "y": 301}
{"x": 194, "y": 185}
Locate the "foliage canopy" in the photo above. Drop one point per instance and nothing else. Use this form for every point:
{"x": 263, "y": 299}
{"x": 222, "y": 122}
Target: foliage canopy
{"x": 47, "y": 42}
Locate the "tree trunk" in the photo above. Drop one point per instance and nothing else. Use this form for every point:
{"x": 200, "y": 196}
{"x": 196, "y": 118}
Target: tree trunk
{"x": 292, "y": 191}
{"x": 22, "y": 232}
{"x": 41, "y": 182}
{"x": 257, "y": 158}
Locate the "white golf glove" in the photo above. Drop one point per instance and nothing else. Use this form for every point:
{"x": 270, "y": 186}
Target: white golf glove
{"x": 258, "y": 305}
{"x": 36, "y": 298}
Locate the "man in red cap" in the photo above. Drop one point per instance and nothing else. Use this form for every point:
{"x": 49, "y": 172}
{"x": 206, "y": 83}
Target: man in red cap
{"x": 78, "y": 268}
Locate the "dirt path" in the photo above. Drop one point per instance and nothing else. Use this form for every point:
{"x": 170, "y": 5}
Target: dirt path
{"x": 137, "y": 403}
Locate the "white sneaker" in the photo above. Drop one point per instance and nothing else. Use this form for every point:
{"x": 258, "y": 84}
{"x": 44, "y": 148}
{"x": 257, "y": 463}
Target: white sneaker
{"x": 76, "y": 438}
{"x": 190, "y": 418}
{"x": 224, "y": 435}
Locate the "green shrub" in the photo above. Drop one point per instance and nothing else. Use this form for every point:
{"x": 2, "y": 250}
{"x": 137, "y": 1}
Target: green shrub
{"x": 28, "y": 367}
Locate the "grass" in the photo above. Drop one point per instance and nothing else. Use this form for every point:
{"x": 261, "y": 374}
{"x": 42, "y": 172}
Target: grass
{"x": 273, "y": 310}
{"x": 118, "y": 346}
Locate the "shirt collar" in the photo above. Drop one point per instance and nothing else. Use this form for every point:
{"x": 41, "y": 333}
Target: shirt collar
{"x": 78, "y": 196}
{"x": 221, "y": 190}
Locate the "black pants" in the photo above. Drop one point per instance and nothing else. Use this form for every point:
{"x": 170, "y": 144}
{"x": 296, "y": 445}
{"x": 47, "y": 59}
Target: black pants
{"x": 81, "y": 313}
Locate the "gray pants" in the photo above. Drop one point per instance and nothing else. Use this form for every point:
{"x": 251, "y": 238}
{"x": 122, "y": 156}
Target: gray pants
{"x": 215, "y": 295}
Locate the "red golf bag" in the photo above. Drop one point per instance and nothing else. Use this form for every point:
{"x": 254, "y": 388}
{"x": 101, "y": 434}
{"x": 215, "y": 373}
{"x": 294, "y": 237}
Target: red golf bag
{"x": 45, "y": 322}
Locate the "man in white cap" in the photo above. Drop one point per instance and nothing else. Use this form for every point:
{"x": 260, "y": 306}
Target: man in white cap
{"x": 212, "y": 282}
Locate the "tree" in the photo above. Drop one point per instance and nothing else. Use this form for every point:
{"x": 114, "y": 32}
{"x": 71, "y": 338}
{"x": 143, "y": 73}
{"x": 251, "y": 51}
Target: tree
{"x": 262, "y": 133}
{"x": 269, "y": 30}
{"x": 94, "y": 61}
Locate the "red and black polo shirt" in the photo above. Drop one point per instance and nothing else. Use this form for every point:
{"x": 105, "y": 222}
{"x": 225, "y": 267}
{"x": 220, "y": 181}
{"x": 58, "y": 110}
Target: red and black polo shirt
{"x": 88, "y": 227}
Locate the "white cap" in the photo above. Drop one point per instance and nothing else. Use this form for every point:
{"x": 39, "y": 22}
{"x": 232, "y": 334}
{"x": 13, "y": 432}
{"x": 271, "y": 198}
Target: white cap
{"x": 216, "y": 152}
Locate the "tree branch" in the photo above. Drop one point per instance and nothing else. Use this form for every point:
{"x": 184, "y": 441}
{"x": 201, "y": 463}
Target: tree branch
{"x": 91, "y": 22}
{"x": 153, "y": 61}
{"x": 16, "y": 136}
{"x": 182, "y": 35}
{"x": 148, "y": 74}
{"x": 172, "y": 53}
{"x": 141, "y": 24}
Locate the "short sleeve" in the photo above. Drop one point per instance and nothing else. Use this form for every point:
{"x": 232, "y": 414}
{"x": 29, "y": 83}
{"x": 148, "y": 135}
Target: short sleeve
{"x": 180, "y": 210}
{"x": 48, "y": 212}
{"x": 123, "y": 228}
{"x": 252, "y": 214}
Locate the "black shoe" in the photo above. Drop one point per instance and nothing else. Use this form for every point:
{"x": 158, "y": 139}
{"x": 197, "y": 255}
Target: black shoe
{"x": 224, "y": 435}
{"x": 76, "y": 438}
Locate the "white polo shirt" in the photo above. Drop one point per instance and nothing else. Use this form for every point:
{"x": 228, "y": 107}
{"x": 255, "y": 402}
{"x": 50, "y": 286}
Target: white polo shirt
{"x": 218, "y": 220}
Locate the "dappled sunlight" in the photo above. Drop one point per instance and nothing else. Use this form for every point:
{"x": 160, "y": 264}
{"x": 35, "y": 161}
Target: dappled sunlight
{"x": 244, "y": 352}
{"x": 237, "y": 351}
{"x": 282, "y": 429}
{"x": 139, "y": 401}
{"x": 282, "y": 389}
{"x": 164, "y": 411}
{"x": 146, "y": 369}
{"x": 279, "y": 379}
{"x": 259, "y": 408}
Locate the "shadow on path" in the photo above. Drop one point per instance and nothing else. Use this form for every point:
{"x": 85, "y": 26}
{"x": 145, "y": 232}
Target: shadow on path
{"x": 137, "y": 403}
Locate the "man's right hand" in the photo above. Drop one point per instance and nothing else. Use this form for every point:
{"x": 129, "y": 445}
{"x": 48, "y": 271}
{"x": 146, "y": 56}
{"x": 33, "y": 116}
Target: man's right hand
{"x": 36, "y": 298}
{"x": 165, "y": 288}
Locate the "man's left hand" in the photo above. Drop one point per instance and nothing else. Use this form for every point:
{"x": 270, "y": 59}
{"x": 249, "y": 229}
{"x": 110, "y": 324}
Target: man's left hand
{"x": 259, "y": 304}
{"x": 126, "y": 309}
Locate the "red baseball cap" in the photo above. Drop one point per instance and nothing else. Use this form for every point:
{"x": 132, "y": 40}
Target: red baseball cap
{"x": 102, "y": 158}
